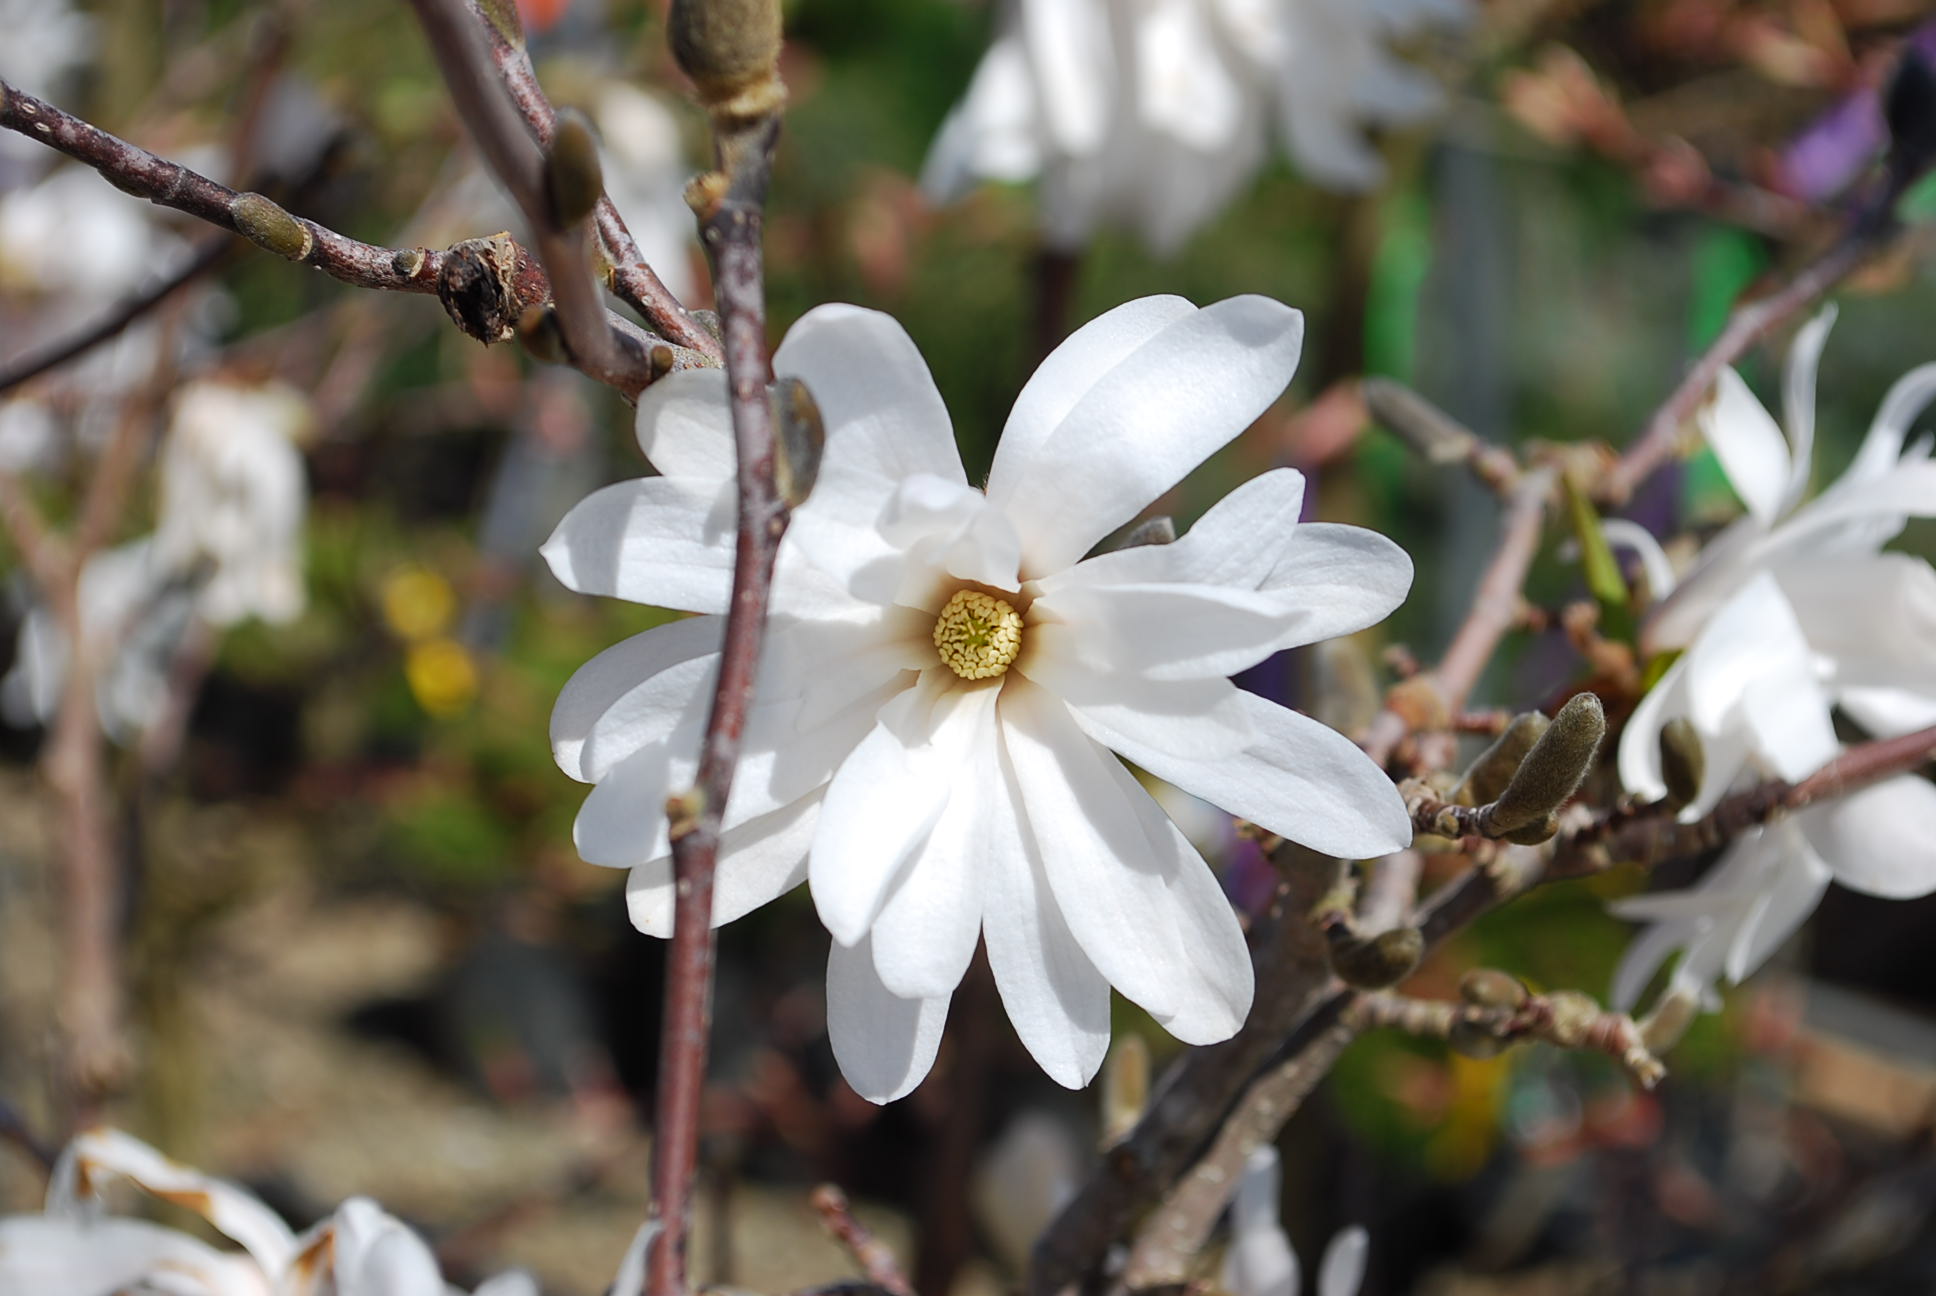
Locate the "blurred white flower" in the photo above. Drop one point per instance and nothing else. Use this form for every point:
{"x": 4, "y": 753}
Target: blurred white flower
{"x": 645, "y": 177}
{"x": 1150, "y": 114}
{"x": 946, "y": 677}
{"x": 1260, "y": 1262}
{"x": 45, "y": 227}
{"x": 1790, "y": 613}
{"x": 75, "y": 1249}
{"x": 1025, "y": 1179}
{"x": 47, "y": 41}
{"x": 233, "y": 499}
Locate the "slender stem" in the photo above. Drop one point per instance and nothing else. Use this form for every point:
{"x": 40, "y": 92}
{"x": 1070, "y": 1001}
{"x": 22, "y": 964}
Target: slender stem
{"x": 1747, "y": 325}
{"x": 732, "y": 228}
{"x": 876, "y": 1261}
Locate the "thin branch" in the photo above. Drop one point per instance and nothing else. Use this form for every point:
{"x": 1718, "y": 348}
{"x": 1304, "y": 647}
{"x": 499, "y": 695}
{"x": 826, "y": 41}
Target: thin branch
{"x": 1438, "y": 437}
{"x": 1749, "y": 323}
{"x": 59, "y": 352}
{"x": 14, "y": 1129}
{"x": 1432, "y": 699}
{"x": 1651, "y": 835}
{"x": 1564, "y": 1019}
{"x": 635, "y": 282}
{"x": 732, "y": 222}
{"x": 876, "y": 1261}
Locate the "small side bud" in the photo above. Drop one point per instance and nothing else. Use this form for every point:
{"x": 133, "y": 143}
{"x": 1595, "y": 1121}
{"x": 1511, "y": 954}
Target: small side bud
{"x": 1663, "y": 1028}
{"x": 1491, "y": 988}
{"x": 799, "y": 437}
{"x": 1498, "y": 763}
{"x": 1125, "y": 1088}
{"x": 1383, "y": 960}
{"x": 1554, "y": 767}
{"x": 267, "y": 225}
{"x": 1532, "y": 834}
{"x": 573, "y": 178}
{"x": 731, "y": 50}
{"x": 1683, "y": 764}
{"x": 1573, "y": 1016}
{"x": 1476, "y": 1041}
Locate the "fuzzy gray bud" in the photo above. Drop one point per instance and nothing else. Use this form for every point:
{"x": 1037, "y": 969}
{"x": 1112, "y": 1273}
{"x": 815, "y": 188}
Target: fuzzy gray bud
{"x": 573, "y": 178}
{"x": 1379, "y": 961}
{"x": 731, "y": 50}
{"x": 267, "y": 225}
{"x": 1683, "y": 764}
{"x": 1553, "y": 768}
{"x": 1498, "y": 763}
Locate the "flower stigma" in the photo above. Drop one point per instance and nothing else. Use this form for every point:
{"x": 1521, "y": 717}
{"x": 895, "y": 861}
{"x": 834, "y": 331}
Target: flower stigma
{"x": 977, "y": 635}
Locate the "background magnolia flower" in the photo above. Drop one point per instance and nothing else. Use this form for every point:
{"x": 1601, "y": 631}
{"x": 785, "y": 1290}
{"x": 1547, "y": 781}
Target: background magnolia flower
{"x": 1260, "y": 1261}
{"x": 1151, "y": 114}
{"x": 1792, "y": 612}
{"x": 946, "y": 677}
{"x": 75, "y": 1249}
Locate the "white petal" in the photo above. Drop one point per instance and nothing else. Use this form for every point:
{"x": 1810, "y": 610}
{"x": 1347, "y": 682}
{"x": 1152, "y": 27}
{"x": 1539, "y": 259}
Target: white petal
{"x": 1881, "y": 840}
{"x": 1343, "y": 1267}
{"x": 1066, "y": 44}
{"x": 602, "y": 681}
{"x": 1168, "y": 631}
{"x": 49, "y": 1256}
{"x": 1122, "y": 887}
{"x": 1639, "y": 755}
{"x": 887, "y": 794}
{"x": 759, "y": 861}
{"x": 685, "y": 428}
{"x": 1083, "y": 359}
{"x": 1235, "y": 545}
{"x": 1145, "y": 424}
{"x": 1337, "y": 580}
{"x": 1796, "y": 878}
{"x": 375, "y": 1254}
{"x": 1882, "y": 447}
{"x": 1888, "y": 712}
{"x": 876, "y": 397}
{"x": 631, "y": 1266}
{"x": 1654, "y": 563}
{"x": 1793, "y": 732}
{"x": 1297, "y": 779}
{"x": 650, "y": 541}
{"x": 1753, "y": 636}
{"x": 1643, "y": 957}
{"x": 885, "y": 1044}
{"x": 991, "y": 134}
{"x": 1055, "y": 997}
{"x": 926, "y": 933}
{"x": 1798, "y": 402}
{"x": 1872, "y": 619}
{"x": 1749, "y": 444}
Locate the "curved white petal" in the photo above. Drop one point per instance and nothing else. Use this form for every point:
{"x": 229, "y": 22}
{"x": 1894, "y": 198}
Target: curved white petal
{"x": 1871, "y": 621}
{"x": 597, "y": 685}
{"x": 1642, "y": 958}
{"x": 889, "y": 792}
{"x": 1638, "y": 759}
{"x": 926, "y": 933}
{"x": 1750, "y": 446}
{"x": 1235, "y": 545}
{"x": 1337, "y": 580}
{"x": 885, "y": 1044}
{"x": 759, "y": 861}
{"x": 1343, "y": 1267}
{"x": 1121, "y": 887}
{"x": 1796, "y": 878}
{"x": 1297, "y": 779}
{"x": 1057, "y": 1000}
{"x": 1882, "y": 448}
{"x": 1203, "y": 718}
{"x": 1166, "y": 632}
{"x": 43, "y": 1255}
{"x": 1881, "y": 840}
{"x": 1798, "y": 402}
{"x": 684, "y": 424}
{"x": 652, "y": 540}
{"x": 1638, "y": 540}
{"x": 1260, "y": 1261}
{"x": 1753, "y": 636}
{"x": 1143, "y": 425}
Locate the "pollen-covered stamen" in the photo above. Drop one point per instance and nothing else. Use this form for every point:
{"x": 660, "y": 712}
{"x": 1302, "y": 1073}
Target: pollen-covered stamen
{"x": 977, "y": 635}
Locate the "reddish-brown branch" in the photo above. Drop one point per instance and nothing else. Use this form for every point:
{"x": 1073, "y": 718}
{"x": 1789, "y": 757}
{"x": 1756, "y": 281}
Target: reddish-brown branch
{"x": 635, "y": 282}
{"x": 876, "y": 1261}
{"x": 732, "y": 230}
{"x": 1748, "y": 324}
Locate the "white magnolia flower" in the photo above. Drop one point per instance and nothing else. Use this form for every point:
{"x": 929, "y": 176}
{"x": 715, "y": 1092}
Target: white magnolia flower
{"x": 1150, "y": 114}
{"x": 47, "y": 42}
{"x": 946, "y": 676}
{"x": 233, "y": 499}
{"x": 1260, "y": 1261}
{"x": 76, "y": 1249}
{"x": 1790, "y": 613}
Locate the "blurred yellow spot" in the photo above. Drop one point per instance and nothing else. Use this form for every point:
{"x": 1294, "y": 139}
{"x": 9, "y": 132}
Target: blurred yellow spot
{"x": 442, "y": 676}
{"x": 417, "y": 602}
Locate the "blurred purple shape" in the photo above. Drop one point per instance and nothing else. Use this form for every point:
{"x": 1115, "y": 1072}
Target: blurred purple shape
{"x": 1839, "y": 145}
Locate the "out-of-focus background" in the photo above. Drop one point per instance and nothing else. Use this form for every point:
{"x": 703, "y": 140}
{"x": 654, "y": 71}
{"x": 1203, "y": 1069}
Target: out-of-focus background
{"x": 361, "y": 954}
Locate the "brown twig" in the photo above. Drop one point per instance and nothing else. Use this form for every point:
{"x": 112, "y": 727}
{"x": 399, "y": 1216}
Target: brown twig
{"x": 1439, "y": 437}
{"x": 1749, "y": 323}
{"x": 1565, "y": 1020}
{"x": 1430, "y": 700}
{"x": 635, "y": 282}
{"x": 876, "y": 1261}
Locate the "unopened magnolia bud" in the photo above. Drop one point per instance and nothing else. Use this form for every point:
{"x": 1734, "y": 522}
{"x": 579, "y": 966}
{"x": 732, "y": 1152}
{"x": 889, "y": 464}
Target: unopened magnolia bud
{"x": 1491, "y": 988}
{"x": 731, "y": 50}
{"x": 1380, "y": 961}
{"x": 1573, "y": 1016}
{"x": 1476, "y": 1041}
{"x": 1532, "y": 834}
{"x": 1160, "y": 530}
{"x": 799, "y": 437}
{"x": 1498, "y": 763}
{"x": 1554, "y": 767}
{"x": 1672, "y": 1015}
{"x": 573, "y": 179}
{"x": 1125, "y": 1088}
{"x": 266, "y": 225}
{"x": 1682, "y": 762}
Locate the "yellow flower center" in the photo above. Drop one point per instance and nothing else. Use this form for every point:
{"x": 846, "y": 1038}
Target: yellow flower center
{"x": 977, "y": 635}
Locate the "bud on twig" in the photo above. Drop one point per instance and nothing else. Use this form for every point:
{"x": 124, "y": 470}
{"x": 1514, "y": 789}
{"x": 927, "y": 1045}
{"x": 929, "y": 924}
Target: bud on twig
{"x": 1553, "y": 768}
{"x": 573, "y": 179}
{"x": 731, "y": 50}
{"x": 1683, "y": 764}
{"x": 267, "y": 225}
{"x": 1491, "y": 988}
{"x": 799, "y": 438}
{"x": 1125, "y": 1088}
{"x": 1379, "y": 961}
{"x": 1498, "y": 763}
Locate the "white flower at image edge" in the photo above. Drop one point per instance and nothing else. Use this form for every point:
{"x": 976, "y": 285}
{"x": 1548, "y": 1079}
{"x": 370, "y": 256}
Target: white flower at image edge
{"x": 1791, "y": 613}
{"x": 945, "y": 677}
{"x": 1260, "y": 1261}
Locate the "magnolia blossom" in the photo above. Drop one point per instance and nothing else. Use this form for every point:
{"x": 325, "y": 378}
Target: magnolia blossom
{"x": 1790, "y": 613}
{"x": 1151, "y": 114}
{"x": 1260, "y": 1261}
{"x": 233, "y": 498}
{"x": 946, "y": 676}
{"x": 76, "y": 1249}
{"x": 47, "y": 42}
